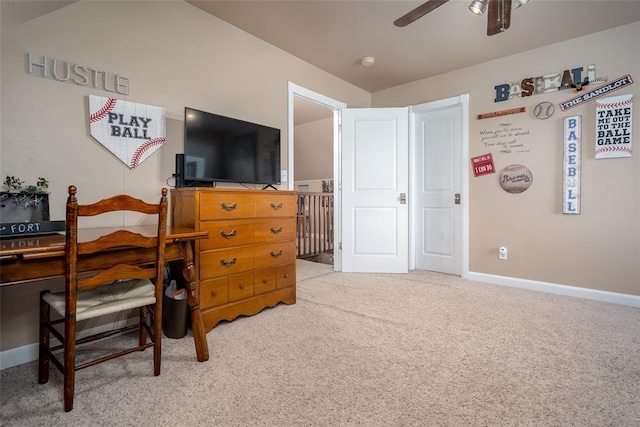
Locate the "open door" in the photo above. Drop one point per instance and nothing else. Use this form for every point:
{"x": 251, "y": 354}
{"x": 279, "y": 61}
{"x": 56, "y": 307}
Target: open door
{"x": 375, "y": 187}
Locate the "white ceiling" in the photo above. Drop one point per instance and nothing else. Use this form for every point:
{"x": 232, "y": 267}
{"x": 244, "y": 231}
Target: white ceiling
{"x": 334, "y": 35}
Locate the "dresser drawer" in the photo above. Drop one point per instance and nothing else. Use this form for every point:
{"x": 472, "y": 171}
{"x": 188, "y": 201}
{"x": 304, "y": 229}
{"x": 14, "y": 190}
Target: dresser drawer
{"x": 227, "y": 206}
{"x": 213, "y": 292}
{"x": 225, "y": 261}
{"x": 240, "y": 286}
{"x": 264, "y": 281}
{"x": 275, "y": 230}
{"x": 271, "y": 255}
{"x": 286, "y": 276}
{"x": 272, "y": 204}
{"x": 225, "y": 234}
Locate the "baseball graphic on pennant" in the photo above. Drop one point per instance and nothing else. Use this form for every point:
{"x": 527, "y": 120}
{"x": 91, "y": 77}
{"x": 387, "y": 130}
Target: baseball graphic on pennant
{"x": 131, "y": 131}
{"x": 515, "y": 178}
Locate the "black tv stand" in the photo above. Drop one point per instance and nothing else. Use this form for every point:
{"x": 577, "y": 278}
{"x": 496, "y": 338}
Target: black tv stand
{"x": 269, "y": 185}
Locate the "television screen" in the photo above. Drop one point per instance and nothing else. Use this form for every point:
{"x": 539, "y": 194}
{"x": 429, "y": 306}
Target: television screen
{"x": 219, "y": 148}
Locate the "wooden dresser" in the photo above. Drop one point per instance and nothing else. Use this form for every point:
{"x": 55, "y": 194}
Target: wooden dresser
{"x": 249, "y": 260}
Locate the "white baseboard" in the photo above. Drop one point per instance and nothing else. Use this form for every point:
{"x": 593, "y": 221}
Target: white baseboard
{"x": 18, "y": 356}
{"x": 572, "y": 291}
{"x": 29, "y": 353}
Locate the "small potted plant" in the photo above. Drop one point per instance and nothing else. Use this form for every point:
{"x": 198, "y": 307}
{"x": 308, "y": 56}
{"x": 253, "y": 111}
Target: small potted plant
{"x": 30, "y": 202}
{"x": 13, "y": 184}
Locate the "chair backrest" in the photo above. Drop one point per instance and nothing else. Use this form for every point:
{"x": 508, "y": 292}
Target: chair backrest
{"x": 147, "y": 251}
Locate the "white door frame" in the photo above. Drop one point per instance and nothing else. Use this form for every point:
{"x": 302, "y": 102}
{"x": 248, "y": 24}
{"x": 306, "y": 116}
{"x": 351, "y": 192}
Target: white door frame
{"x": 462, "y": 100}
{"x": 295, "y": 91}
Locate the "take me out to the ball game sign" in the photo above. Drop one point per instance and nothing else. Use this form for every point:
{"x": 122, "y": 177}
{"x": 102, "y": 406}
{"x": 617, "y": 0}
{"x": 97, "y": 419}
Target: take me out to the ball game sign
{"x": 613, "y": 127}
{"x": 129, "y": 130}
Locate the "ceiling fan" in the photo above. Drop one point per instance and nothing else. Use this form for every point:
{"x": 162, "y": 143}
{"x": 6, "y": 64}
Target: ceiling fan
{"x": 498, "y": 21}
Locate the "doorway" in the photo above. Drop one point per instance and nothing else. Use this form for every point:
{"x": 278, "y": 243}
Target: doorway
{"x": 458, "y": 102}
{"x": 313, "y": 141}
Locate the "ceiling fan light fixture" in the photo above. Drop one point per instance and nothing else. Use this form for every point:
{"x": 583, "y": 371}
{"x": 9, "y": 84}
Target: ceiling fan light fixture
{"x": 478, "y": 7}
{"x": 520, "y": 3}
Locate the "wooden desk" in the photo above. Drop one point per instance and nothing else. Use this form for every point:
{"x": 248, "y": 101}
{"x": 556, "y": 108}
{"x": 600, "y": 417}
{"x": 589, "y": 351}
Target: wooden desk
{"x": 31, "y": 258}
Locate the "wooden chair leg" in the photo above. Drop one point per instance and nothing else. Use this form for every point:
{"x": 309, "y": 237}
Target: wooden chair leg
{"x": 142, "y": 320}
{"x": 43, "y": 348}
{"x": 157, "y": 337}
{"x": 69, "y": 362}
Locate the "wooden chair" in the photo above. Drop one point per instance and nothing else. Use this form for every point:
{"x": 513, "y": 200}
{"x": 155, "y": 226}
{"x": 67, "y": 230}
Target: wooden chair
{"x": 112, "y": 289}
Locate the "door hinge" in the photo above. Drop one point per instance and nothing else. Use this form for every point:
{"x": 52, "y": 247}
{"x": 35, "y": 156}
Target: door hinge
{"x": 340, "y": 245}
{"x": 340, "y": 127}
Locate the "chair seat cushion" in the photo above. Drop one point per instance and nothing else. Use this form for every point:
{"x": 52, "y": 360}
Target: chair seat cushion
{"x": 110, "y": 298}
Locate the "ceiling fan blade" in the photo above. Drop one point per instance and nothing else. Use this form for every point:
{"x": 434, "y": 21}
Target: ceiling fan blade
{"x": 499, "y": 18}
{"x": 418, "y": 12}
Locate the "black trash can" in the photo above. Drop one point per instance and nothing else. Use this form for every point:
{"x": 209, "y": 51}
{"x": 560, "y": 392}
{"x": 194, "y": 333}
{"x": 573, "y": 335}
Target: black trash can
{"x": 175, "y": 313}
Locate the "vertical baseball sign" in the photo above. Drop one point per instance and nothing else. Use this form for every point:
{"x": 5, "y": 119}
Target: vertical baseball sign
{"x": 613, "y": 127}
{"x": 572, "y": 157}
{"x": 130, "y": 131}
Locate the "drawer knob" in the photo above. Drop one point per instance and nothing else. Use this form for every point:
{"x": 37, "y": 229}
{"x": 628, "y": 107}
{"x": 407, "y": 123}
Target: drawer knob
{"x": 230, "y": 235}
{"x": 276, "y": 230}
{"x": 241, "y": 286}
{"x": 214, "y": 293}
{"x": 276, "y": 254}
{"x": 227, "y": 207}
{"x": 276, "y": 207}
{"x": 229, "y": 263}
{"x": 286, "y": 275}
{"x": 265, "y": 281}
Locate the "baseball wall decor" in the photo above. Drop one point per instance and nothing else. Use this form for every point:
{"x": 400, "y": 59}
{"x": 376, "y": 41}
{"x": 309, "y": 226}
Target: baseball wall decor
{"x": 515, "y": 178}
{"x": 502, "y": 113}
{"x": 571, "y": 170}
{"x": 483, "y": 165}
{"x": 544, "y": 110}
{"x": 130, "y": 131}
{"x": 613, "y": 127}
{"x": 546, "y": 83}
{"x": 597, "y": 92}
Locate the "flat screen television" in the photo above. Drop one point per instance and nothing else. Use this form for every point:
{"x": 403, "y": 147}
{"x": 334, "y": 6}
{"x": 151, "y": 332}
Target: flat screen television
{"x": 224, "y": 149}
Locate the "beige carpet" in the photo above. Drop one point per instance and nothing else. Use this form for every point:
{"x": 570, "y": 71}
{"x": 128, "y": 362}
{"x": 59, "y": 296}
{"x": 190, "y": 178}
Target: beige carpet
{"x": 421, "y": 349}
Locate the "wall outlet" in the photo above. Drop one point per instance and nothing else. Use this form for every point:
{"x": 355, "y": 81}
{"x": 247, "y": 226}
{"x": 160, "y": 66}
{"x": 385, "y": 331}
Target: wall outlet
{"x": 283, "y": 175}
{"x": 502, "y": 253}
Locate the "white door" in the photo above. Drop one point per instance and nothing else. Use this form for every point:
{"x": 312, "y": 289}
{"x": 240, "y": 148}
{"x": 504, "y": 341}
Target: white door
{"x": 374, "y": 190}
{"x": 438, "y": 142}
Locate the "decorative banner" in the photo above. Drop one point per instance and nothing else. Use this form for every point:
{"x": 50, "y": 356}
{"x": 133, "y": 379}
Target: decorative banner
{"x": 130, "y": 131}
{"x": 597, "y": 92}
{"x": 572, "y": 156}
{"x": 483, "y": 165}
{"x": 613, "y": 127}
{"x": 502, "y": 113}
{"x": 515, "y": 178}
